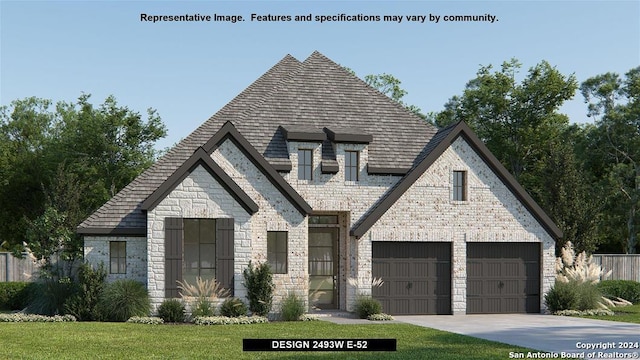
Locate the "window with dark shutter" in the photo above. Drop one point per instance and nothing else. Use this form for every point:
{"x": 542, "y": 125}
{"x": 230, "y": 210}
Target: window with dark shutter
{"x": 173, "y": 256}
{"x": 199, "y": 258}
{"x": 198, "y": 248}
{"x": 225, "y": 253}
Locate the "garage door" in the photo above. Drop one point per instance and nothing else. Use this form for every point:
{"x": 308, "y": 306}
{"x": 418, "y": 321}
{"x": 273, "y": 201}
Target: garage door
{"x": 417, "y": 277}
{"x": 503, "y": 278}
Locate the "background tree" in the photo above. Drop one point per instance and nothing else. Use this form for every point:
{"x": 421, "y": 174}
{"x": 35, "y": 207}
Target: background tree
{"x": 390, "y": 86}
{"x": 520, "y": 123}
{"x": 59, "y": 165}
{"x": 613, "y": 153}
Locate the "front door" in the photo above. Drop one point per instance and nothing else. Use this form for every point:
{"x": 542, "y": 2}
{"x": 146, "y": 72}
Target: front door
{"x": 323, "y": 266}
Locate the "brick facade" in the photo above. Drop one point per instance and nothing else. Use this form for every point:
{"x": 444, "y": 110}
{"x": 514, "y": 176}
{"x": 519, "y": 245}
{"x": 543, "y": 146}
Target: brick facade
{"x": 426, "y": 212}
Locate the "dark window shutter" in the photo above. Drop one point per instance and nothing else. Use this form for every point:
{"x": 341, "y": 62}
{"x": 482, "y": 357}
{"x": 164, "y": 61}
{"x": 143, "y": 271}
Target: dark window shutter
{"x": 173, "y": 228}
{"x": 224, "y": 253}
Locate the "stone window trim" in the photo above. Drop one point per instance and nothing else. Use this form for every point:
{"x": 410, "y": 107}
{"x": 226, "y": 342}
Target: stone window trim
{"x": 277, "y": 251}
{"x": 305, "y": 164}
{"x": 117, "y": 257}
{"x": 351, "y": 165}
{"x": 459, "y": 186}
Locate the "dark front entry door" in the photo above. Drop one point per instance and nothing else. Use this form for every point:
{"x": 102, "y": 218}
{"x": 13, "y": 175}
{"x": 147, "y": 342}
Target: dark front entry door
{"x": 323, "y": 267}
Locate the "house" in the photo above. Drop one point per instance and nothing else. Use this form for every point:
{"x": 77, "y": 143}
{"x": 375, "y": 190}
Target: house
{"x": 333, "y": 184}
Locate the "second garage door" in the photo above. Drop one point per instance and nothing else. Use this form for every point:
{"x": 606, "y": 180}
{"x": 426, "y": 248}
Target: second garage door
{"x": 503, "y": 278}
{"x": 417, "y": 277}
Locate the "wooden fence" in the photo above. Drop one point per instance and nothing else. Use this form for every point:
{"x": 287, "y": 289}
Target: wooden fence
{"x": 623, "y": 267}
{"x": 14, "y": 269}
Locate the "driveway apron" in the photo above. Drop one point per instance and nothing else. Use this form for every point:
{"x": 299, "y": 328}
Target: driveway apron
{"x": 555, "y": 336}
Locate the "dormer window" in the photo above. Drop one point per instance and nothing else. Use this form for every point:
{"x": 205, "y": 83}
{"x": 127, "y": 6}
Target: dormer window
{"x": 305, "y": 164}
{"x": 351, "y": 165}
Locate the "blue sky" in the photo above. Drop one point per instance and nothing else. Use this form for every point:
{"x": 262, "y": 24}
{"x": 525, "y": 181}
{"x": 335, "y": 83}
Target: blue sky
{"x": 188, "y": 71}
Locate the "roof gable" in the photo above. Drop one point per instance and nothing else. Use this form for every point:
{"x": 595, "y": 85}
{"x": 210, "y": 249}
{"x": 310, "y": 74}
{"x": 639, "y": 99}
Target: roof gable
{"x": 229, "y": 132}
{"x": 438, "y": 144}
{"x": 200, "y": 158}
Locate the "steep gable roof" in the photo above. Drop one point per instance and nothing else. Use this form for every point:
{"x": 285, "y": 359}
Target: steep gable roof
{"x": 200, "y": 158}
{"x": 316, "y": 93}
{"x": 432, "y": 151}
{"x": 122, "y": 214}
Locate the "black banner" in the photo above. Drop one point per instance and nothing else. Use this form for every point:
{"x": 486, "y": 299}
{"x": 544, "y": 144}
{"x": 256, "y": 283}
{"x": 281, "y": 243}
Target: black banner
{"x": 319, "y": 344}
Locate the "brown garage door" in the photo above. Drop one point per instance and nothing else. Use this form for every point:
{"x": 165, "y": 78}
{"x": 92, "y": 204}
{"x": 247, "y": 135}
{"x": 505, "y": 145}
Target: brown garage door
{"x": 417, "y": 277}
{"x": 503, "y": 278}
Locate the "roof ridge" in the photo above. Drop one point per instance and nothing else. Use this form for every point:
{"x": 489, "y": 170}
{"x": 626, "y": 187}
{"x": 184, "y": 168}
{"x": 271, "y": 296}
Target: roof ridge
{"x": 274, "y": 89}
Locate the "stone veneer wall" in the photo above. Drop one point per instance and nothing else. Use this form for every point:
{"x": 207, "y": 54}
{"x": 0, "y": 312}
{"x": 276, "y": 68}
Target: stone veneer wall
{"x": 96, "y": 251}
{"x": 201, "y": 196}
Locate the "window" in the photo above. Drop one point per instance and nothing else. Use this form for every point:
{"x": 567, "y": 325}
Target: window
{"x": 459, "y": 185}
{"x": 118, "y": 257}
{"x": 351, "y": 165}
{"x": 199, "y": 253}
{"x": 305, "y": 164}
{"x": 277, "y": 251}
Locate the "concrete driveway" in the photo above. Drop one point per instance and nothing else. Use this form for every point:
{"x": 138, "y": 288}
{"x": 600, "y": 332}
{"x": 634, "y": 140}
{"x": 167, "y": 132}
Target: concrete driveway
{"x": 554, "y": 335}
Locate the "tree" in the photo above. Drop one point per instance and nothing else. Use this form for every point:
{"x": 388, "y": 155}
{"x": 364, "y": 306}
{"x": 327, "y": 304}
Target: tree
{"x": 59, "y": 165}
{"x": 513, "y": 119}
{"x": 390, "y": 86}
{"x": 615, "y": 150}
{"x": 520, "y": 123}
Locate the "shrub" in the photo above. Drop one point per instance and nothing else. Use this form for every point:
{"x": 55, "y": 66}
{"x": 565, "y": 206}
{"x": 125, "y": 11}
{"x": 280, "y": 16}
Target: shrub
{"x": 572, "y": 295}
{"x": 49, "y": 295}
{"x": 367, "y": 306}
{"x": 562, "y": 296}
{"x": 201, "y": 294}
{"x": 259, "y": 283}
{"x": 589, "y": 297}
{"x": 14, "y": 295}
{"x": 83, "y": 304}
{"x": 292, "y": 308}
{"x": 624, "y": 289}
{"x": 233, "y": 307}
{"x": 123, "y": 299}
{"x": 172, "y": 310}
{"x": 202, "y": 307}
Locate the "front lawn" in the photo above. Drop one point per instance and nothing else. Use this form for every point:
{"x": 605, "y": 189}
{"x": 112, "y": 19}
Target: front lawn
{"x": 136, "y": 341}
{"x": 629, "y": 314}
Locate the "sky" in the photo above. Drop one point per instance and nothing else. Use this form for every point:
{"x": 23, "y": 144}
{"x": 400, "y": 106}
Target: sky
{"x": 187, "y": 71}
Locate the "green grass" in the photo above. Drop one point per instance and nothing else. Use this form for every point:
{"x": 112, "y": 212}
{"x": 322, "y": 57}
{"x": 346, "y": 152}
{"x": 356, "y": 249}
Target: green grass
{"x": 630, "y": 314}
{"x": 137, "y": 341}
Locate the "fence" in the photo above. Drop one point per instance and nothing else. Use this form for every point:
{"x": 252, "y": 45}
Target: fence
{"x": 623, "y": 267}
{"x": 14, "y": 269}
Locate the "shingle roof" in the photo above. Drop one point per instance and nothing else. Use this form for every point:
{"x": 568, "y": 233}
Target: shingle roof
{"x": 316, "y": 93}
